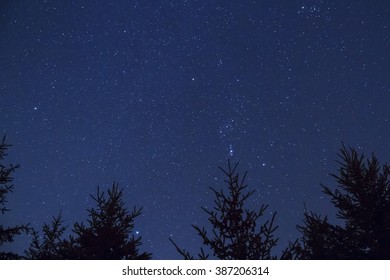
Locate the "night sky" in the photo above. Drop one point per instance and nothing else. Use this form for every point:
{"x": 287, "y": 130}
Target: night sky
{"x": 155, "y": 95}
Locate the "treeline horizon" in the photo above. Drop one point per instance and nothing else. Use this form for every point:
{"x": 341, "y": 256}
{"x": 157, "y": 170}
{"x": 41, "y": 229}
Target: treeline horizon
{"x": 361, "y": 197}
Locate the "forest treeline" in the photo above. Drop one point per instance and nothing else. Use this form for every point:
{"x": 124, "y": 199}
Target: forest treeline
{"x": 361, "y": 196}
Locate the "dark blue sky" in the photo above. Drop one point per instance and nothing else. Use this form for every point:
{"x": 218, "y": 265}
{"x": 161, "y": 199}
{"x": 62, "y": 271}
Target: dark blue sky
{"x": 156, "y": 94}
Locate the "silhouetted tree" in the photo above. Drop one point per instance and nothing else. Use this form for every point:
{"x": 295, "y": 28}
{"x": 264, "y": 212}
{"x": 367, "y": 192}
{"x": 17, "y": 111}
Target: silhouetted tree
{"x": 7, "y": 234}
{"x": 50, "y": 246}
{"x": 107, "y": 235}
{"x": 236, "y": 233}
{"x": 362, "y": 197}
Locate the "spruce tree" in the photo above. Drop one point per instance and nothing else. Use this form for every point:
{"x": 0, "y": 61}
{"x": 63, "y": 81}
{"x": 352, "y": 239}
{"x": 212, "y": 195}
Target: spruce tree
{"x": 236, "y": 232}
{"x": 362, "y": 198}
{"x": 7, "y": 234}
{"x": 107, "y": 235}
{"x": 50, "y": 245}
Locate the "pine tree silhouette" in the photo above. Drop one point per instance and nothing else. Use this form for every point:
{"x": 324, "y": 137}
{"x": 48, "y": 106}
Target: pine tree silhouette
{"x": 107, "y": 235}
{"x": 362, "y": 197}
{"x": 51, "y": 246}
{"x": 236, "y": 233}
{"x": 7, "y": 234}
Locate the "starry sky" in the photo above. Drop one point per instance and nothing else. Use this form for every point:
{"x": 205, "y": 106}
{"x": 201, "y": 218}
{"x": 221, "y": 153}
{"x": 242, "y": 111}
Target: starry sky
{"x": 155, "y": 95}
